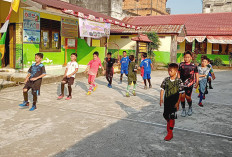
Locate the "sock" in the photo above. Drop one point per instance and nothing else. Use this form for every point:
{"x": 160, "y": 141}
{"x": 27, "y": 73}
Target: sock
{"x": 145, "y": 82}
{"x": 128, "y": 88}
{"x": 62, "y": 88}
{"x": 172, "y": 124}
{"x": 149, "y": 81}
{"x": 183, "y": 104}
{"x": 168, "y": 125}
{"x": 134, "y": 88}
{"x": 90, "y": 87}
{"x": 94, "y": 85}
{"x": 190, "y": 103}
{"x": 201, "y": 97}
{"x": 25, "y": 95}
{"x": 70, "y": 90}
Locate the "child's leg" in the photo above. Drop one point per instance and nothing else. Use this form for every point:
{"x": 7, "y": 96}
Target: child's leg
{"x": 135, "y": 85}
{"x": 149, "y": 81}
{"x": 128, "y": 87}
{"x": 121, "y": 77}
{"x": 70, "y": 90}
{"x": 62, "y": 87}
{"x": 145, "y": 82}
{"x": 34, "y": 93}
{"x": 201, "y": 97}
{"x": 25, "y": 95}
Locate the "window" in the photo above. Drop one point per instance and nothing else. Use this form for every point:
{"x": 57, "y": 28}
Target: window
{"x": 50, "y": 36}
{"x": 200, "y": 47}
{"x": 222, "y": 49}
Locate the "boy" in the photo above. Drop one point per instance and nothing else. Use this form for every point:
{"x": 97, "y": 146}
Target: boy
{"x": 109, "y": 69}
{"x": 132, "y": 76}
{"x": 69, "y": 76}
{"x": 203, "y": 70}
{"x": 188, "y": 73}
{"x": 146, "y": 64}
{"x": 124, "y": 65}
{"x": 92, "y": 70}
{"x": 211, "y": 74}
{"x": 173, "y": 87}
{"x": 33, "y": 81}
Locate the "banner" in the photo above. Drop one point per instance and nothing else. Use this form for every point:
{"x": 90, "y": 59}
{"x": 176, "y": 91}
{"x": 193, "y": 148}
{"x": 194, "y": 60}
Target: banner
{"x": 15, "y": 5}
{"x": 2, "y": 45}
{"x": 31, "y": 27}
{"x": 69, "y": 27}
{"x": 93, "y": 29}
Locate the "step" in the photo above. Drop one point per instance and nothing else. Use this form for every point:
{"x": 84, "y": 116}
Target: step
{"x": 6, "y": 84}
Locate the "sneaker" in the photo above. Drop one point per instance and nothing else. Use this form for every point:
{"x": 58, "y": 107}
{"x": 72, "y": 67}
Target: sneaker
{"x": 203, "y": 97}
{"x": 110, "y": 86}
{"x": 145, "y": 87}
{"x": 190, "y": 111}
{"x": 200, "y": 104}
{"x": 127, "y": 94}
{"x": 183, "y": 114}
{"x": 33, "y": 108}
{"x": 68, "y": 98}
{"x": 89, "y": 92}
{"x": 24, "y": 104}
{"x": 94, "y": 89}
{"x": 60, "y": 97}
{"x": 210, "y": 87}
{"x": 134, "y": 93}
{"x": 199, "y": 96}
{"x": 206, "y": 92}
{"x": 150, "y": 86}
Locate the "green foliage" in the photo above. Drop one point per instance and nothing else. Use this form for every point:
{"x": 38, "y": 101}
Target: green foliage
{"x": 154, "y": 45}
{"x": 218, "y": 61}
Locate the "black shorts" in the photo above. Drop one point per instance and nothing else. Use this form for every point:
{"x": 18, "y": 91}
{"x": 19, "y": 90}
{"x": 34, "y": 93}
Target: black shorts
{"x": 34, "y": 85}
{"x": 188, "y": 90}
{"x": 169, "y": 115}
{"x": 68, "y": 81}
{"x": 109, "y": 72}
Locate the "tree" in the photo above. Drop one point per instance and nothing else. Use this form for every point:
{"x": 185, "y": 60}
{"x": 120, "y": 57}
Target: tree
{"x": 154, "y": 45}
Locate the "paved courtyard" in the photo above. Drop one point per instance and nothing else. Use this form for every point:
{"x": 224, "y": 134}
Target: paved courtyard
{"x": 108, "y": 124}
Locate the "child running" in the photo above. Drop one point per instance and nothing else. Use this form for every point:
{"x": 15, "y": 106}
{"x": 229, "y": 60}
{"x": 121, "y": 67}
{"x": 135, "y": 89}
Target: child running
{"x": 203, "y": 70}
{"x": 92, "y": 70}
{"x": 69, "y": 76}
{"x": 172, "y": 87}
{"x": 188, "y": 73}
{"x": 33, "y": 81}
{"x": 142, "y": 69}
{"x": 132, "y": 76}
{"x": 109, "y": 69}
{"x": 211, "y": 74}
{"x": 124, "y": 65}
{"x": 146, "y": 64}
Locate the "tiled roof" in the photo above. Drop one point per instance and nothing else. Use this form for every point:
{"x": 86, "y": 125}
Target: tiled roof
{"x": 196, "y": 24}
{"x": 142, "y": 37}
{"x": 161, "y": 29}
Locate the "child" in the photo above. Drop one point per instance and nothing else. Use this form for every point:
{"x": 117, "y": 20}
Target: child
{"x": 188, "y": 73}
{"x": 146, "y": 64}
{"x": 69, "y": 76}
{"x": 173, "y": 87}
{"x": 211, "y": 74}
{"x": 109, "y": 69}
{"x": 92, "y": 70}
{"x": 33, "y": 81}
{"x": 203, "y": 70}
{"x": 132, "y": 76}
{"x": 142, "y": 69}
{"x": 124, "y": 65}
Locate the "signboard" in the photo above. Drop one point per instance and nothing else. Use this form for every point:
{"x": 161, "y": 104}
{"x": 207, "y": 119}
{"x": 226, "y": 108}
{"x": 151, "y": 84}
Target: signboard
{"x": 19, "y": 47}
{"x": 31, "y": 27}
{"x": 93, "y": 29}
{"x": 69, "y": 28}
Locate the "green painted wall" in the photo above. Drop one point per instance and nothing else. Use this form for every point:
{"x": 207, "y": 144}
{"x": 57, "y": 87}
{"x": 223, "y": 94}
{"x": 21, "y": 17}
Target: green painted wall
{"x": 85, "y": 52}
{"x": 162, "y": 57}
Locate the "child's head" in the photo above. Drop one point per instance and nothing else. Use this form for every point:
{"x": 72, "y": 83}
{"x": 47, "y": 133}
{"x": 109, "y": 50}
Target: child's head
{"x": 109, "y": 54}
{"x": 144, "y": 55}
{"x": 187, "y": 56}
{"x": 172, "y": 69}
{"x": 38, "y": 57}
{"x": 95, "y": 55}
{"x": 124, "y": 53}
{"x": 203, "y": 57}
{"x": 204, "y": 62}
{"x": 73, "y": 57}
{"x": 132, "y": 58}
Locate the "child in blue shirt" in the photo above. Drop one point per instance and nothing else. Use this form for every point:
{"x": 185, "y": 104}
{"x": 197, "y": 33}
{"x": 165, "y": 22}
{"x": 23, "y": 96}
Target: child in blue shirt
{"x": 124, "y": 65}
{"x": 147, "y": 66}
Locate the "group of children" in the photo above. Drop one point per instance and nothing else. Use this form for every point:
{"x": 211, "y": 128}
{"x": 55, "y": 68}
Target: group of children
{"x": 174, "y": 89}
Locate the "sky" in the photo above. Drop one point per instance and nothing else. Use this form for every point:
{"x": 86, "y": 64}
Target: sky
{"x": 185, "y": 6}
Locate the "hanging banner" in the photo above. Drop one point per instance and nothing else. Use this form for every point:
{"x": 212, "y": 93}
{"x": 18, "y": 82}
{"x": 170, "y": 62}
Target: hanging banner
{"x": 93, "y": 29}
{"x": 31, "y": 27}
{"x": 69, "y": 27}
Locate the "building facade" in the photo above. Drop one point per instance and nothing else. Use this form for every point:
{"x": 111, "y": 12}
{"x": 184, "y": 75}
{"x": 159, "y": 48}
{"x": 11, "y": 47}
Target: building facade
{"x": 145, "y": 7}
{"x": 217, "y": 6}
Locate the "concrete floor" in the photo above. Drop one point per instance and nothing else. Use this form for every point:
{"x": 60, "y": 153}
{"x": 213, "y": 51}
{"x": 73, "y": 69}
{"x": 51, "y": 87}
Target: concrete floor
{"x": 107, "y": 124}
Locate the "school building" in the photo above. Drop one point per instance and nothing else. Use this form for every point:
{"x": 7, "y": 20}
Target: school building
{"x": 208, "y": 34}
{"x": 56, "y": 29}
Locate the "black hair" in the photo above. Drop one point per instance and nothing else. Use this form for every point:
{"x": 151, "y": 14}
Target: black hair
{"x": 188, "y": 53}
{"x": 39, "y": 54}
{"x": 173, "y": 66}
{"x": 74, "y": 54}
{"x": 208, "y": 60}
{"x": 96, "y": 53}
{"x": 124, "y": 51}
{"x": 109, "y": 53}
{"x": 131, "y": 57}
{"x": 145, "y": 55}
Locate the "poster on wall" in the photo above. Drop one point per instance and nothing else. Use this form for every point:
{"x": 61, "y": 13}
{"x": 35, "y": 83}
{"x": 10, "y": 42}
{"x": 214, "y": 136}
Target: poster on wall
{"x": 31, "y": 27}
{"x": 93, "y": 29}
{"x": 69, "y": 28}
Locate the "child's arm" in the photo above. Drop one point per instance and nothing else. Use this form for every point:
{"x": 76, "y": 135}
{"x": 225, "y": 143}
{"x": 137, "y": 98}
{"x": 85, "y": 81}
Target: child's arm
{"x": 178, "y": 102}
{"x": 161, "y": 97}
{"x": 65, "y": 73}
{"x": 87, "y": 69}
{"x": 73, "y": 73}
{"x": 36, "y": 78}
{"x": 197, "y": 80}
{"x": 27, "y": 78}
